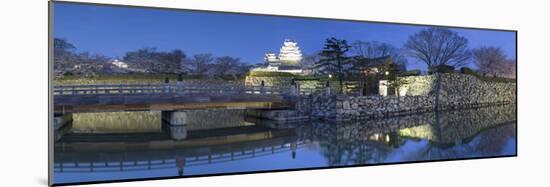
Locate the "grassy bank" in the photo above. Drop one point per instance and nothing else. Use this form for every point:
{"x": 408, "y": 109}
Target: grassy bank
{"x": 468, "y": 71}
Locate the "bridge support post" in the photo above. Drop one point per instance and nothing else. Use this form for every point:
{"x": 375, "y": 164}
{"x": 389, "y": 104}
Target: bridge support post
{"x": 180, "y": 88}
{"x": 175, "y": 123}
{"x": 293, "y": 147}
{"x": 62, "y": 123}
{"x": 262, "y": 87}
{"x": 60, "y": 120}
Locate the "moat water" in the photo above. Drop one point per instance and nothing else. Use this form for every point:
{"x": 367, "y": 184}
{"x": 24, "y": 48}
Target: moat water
{"x": 130, "y": 145}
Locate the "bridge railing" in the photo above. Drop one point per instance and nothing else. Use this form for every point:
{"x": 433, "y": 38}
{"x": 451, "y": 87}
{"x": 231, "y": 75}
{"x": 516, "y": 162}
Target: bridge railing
{"x": 106, "y": 89}
{"x": 99, "y": 89}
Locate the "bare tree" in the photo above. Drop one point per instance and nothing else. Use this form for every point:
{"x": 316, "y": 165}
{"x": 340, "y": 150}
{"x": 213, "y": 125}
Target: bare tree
{"x": 172, "y": 61}
{"x": 88, "y": 66}
{"x": 242, "y": 68}
{"x": 510, "y": 68}
{"x": 64, "y": 57}
{"x": 199, "y": 63}
{"x": 493, "y": 61}
{"x": 226, "y": 66}
{"x": 438, "y": 46}
{"x": 68, "y": 62}
{"x": 374, "y": 49}
{"x": 152, "y": 61}
{"x": 308, "y": 63}
{"x": 368, "y": 54}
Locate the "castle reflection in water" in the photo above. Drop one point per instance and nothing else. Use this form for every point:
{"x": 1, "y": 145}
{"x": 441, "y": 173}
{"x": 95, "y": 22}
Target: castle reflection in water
{"x": 101, "y": 146}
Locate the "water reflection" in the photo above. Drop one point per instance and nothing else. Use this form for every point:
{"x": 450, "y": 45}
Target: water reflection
{"x": 224, "y": 141}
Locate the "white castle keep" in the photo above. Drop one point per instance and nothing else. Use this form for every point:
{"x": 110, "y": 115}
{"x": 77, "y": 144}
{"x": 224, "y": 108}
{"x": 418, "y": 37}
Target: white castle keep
{"x": 289, "y": 59}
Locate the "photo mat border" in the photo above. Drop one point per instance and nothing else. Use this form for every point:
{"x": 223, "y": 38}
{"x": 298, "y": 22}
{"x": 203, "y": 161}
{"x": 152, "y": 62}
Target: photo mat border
{"x": 50, "y": 94}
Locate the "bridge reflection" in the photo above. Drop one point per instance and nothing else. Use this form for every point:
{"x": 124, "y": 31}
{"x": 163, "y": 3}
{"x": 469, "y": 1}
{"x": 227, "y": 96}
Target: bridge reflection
{"x": 205, "y": 137}
{"x": 113, "y": 156}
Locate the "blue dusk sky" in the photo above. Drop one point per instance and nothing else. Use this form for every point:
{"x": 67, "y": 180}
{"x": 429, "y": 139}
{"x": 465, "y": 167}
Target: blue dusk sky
{"x": 113, "y": 31}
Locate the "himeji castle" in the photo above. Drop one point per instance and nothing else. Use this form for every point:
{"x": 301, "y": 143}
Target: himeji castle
{"x": 289, "y": 59}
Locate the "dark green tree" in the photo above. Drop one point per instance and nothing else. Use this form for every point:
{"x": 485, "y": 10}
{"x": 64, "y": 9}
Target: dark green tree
{"x": 334, "y": 60}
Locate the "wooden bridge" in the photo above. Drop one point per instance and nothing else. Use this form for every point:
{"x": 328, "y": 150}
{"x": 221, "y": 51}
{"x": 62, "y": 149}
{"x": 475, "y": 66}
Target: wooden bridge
{"x": 109, "y": 89}
{"x": 132, "y": 97}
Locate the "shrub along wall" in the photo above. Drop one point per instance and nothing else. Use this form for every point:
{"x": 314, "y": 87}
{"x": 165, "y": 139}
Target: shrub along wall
{"x": 469, "y": 71}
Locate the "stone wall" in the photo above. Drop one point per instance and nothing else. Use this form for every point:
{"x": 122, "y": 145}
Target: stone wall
{"x": 465, "y": 91}
{"x": 268, "y": 81}
{"x": 418, "y": 85}
{"x": 370, "y": 107}
{"x": 305, "y": 85}
{"x": 117, "y": 122}
{"x": 322, "y": 106}
{"x": 283, "y": 82}
{"x": 214, "y": 119}
{"x": 459, "y": 89}
{"x": 456, "y": 91}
